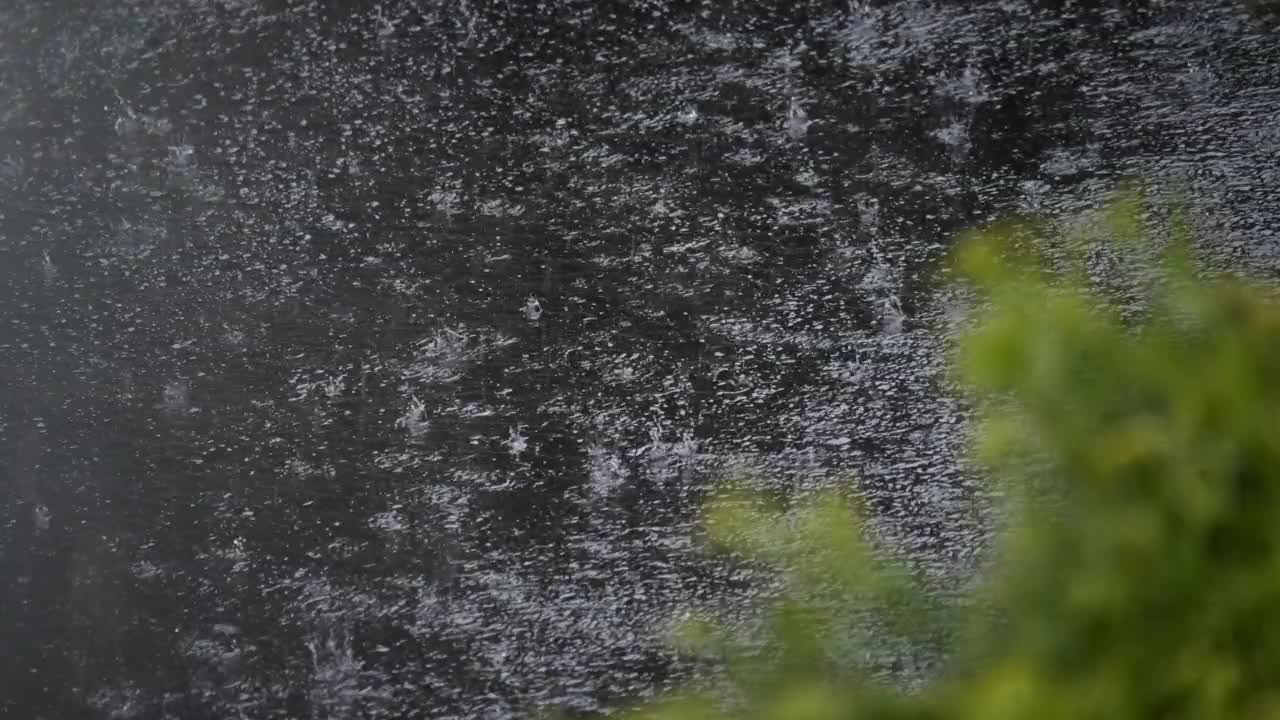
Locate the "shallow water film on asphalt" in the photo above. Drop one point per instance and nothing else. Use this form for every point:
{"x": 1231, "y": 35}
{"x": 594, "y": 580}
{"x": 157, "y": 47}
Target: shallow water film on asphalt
{"x": 372, "y": 359}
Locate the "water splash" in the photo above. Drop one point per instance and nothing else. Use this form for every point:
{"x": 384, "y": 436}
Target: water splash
{"x": 517, "y": 442}
{"x": 414, "y": 420}
{"x": 532, "y": 309}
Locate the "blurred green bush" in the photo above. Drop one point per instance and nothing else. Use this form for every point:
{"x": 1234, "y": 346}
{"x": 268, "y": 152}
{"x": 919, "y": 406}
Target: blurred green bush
{"x": 1130, "y": 407}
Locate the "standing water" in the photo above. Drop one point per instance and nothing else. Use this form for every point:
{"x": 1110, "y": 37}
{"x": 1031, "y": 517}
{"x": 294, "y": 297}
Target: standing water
{"x": 370, "y": 359}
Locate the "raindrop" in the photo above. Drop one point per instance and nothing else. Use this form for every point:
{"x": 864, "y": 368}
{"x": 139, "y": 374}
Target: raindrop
{"x": 892, "y": 315}
{"x": 50, "y": 270}
{"x": 532, "y": 309}
{"x": 797, "y": 120}
{"x": 41, "y": 516}
{"x": 414, "y": 421}
{"x": 181, "y": 157}
{"x": 517, "y": 443}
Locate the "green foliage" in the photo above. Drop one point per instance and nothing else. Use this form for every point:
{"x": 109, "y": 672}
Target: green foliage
{"x": 1137, "y": 416}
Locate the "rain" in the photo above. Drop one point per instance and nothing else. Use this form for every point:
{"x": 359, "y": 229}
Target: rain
{"x": 374, "y": 359}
